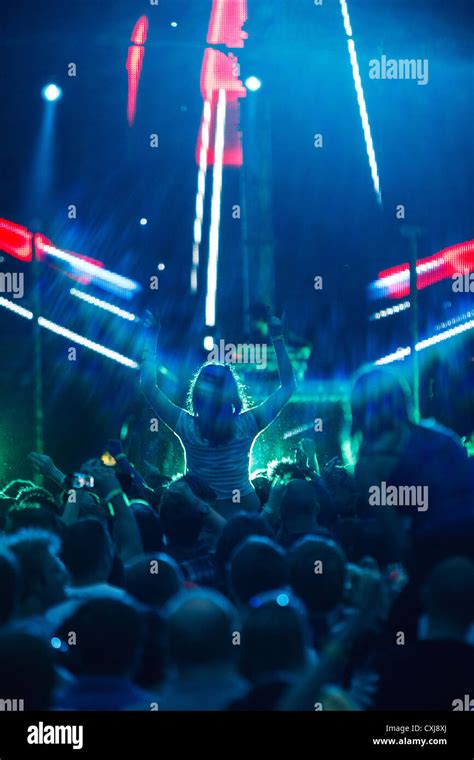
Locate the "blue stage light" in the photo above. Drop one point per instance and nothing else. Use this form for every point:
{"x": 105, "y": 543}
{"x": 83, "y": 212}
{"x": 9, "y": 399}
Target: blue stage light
{"x": 143, "y": 221}
{"x": 208, "y": 343}
{"x": 51, "y": 92}
{"x": 253, "y": 84}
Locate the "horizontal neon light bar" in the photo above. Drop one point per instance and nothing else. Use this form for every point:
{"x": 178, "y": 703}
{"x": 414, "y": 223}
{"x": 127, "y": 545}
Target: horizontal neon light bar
{"x": 401, "y": 353}
{"x": 455, "y": 320}
{"x": 12, "y": 306}
{"x": 389, "y": 311}
{"x": 82, "y": 341}
{"x": 97, "y": 273}
{"x": 122, "y": 313}
{"x": 395, "y": 282}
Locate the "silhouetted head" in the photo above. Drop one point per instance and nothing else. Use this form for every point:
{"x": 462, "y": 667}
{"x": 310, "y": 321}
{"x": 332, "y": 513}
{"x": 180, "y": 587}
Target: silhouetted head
{"x": 32, "y": 515}
{"x": 43, "y": 575}
{"x": 380, "y": 401}
{"x": 88, "y": 552}
{"x": 448, "y": 595}
{"x": 257, "y": 565}
{"x": 153, "y": 579}
{"x": 317, "y": 573}
{"x": 200, "y": 625}
{"x": 10, "y": 580}
{"x": 182, "y": 515}
{"x": 216, "y": 399}
{"x": 299, "y": 508}
{"x": 274, "y": 636}
{"x": 237, "y": 529}
{"x": 110, "y": 636}
{"x": 27, "y": 670}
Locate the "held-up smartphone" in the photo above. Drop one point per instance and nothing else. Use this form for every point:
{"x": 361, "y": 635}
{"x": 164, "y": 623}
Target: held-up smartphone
{"x": 108, "y": 459}
{"x": 81, "y": 480}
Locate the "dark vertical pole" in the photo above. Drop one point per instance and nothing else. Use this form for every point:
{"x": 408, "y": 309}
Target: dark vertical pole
{"x": 245, "y": 252}
{"x": 412, "y": 233}
{"x": 37, "y": 368}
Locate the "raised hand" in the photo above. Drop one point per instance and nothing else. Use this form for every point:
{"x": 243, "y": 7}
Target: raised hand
{"x": 45, "y": 465}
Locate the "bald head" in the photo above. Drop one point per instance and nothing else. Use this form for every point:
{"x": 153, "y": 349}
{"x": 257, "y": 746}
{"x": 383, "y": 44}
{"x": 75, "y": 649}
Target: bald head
{"x": 200, "y": 626}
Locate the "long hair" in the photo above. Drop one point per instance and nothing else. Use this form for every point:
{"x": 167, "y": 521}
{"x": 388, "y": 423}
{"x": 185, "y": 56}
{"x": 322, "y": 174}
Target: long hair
{"x": 216, "y": 397}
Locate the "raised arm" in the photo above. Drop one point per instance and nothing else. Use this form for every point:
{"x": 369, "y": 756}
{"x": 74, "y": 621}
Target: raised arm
{"x": 164, "y": 408}
{"x": 266, "y": 412}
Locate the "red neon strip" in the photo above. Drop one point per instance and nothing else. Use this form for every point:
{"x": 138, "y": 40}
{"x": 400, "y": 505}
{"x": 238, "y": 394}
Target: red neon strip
{"x": 456, "y": 259}
{"x": 140, "y": 31}
{"x": 16, "y": 240}
{"x": 136, "y": 53}
{"x": 219, "y": 72}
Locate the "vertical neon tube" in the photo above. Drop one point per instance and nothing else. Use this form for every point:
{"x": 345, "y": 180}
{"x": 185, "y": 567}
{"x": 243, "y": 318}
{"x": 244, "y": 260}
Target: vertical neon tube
{"x": 201, "y": 191}
{"x": 369, "y": 145}
{"x": 215, "y": 212}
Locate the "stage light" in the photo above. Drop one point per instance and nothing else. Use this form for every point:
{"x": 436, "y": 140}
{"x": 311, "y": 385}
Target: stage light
{"x": 102, "y": 277}
{"x": 174, "y": 24}
{"x": 51, "y": 92}
{"x": 12, "y": 306}
{"x": 90, "y": 344}
{"x": 400, "y": 353}
{"x": 283, "y": 600}
{"x": 444, "y": 335}
{"x": 103, "y": 305}
{"x": 361, "y": 100}
{"x": 364, "y": 118}
{"x": 206, "y": 120}
{"x": 390, "y": 310}
{"x": 143, "y": 221}
{"x": 345, "y": 16}
{"x": 161, "y": 267}
{"x": 396, "y": 356}
{"x": 395, "y": 281}
{"x": 215, "y": 211}
{"x": 208, "y": 343}
{"x": 136, "y": 54}
{"x": 253, "y": 84}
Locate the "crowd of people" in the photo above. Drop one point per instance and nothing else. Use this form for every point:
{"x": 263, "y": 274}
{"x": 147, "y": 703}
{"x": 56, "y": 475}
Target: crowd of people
{"x": 216, "y": 590}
